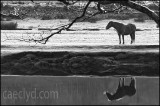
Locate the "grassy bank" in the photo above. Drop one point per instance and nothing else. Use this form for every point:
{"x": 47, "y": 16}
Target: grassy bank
{"x": 72, "y": 63}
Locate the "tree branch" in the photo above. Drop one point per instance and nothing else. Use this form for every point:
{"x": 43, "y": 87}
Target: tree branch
{"x": 136, "y": 6}
{"x": 103, "y": 11}
{"x": 66, "y": 2}
{"x": 143, "y": 9}
{"x": 99, "y": 7}
{"x": 64, "y": 27}
{"x": 69, "y": 25}
{"x": 83, "y": 14}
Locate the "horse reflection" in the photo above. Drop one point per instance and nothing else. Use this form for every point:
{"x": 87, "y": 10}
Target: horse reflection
{"x": 122, "y": 90}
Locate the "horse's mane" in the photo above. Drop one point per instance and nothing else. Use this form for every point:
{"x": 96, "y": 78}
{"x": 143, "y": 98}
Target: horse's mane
{"x": 118, "y": 23}
{"x": 129, "y": 24}
{"x": 121, "y": 23}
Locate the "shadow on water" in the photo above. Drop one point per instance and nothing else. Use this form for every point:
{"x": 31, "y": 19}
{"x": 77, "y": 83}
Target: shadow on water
{"x": 122, "y": 90}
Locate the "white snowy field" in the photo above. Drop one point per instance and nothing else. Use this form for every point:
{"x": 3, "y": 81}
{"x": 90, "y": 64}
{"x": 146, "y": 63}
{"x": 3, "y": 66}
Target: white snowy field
{"x": 86, "y": 36}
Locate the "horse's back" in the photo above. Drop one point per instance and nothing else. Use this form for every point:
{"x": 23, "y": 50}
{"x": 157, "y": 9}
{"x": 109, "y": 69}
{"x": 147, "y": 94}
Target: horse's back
{"x": 132, "y": 26}
{"x": 129, "y": 28}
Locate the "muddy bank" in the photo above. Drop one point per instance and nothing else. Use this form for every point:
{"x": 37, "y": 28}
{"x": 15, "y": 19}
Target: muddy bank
{"x": 80, "y": 63}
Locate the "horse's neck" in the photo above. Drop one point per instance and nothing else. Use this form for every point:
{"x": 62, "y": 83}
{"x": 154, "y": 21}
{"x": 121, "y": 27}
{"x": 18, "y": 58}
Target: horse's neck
{"x": 117, "y": 26}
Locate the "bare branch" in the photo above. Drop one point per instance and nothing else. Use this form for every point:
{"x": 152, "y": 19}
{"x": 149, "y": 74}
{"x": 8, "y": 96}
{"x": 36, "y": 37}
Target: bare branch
{"x": 101, "y": 11}
{"x": 99, "y": 7}
{"x": 32, "y": 1}
{"x": 69, "y": 25}
{"x": 69, "y": 2}
{"x": 134, "y": 5}
{"x": 83, "y": 14}
{"x": 143, "y": 9}
{"x": 64, "y": 27}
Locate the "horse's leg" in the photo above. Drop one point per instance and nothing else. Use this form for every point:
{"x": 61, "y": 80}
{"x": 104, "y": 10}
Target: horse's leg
{"x": 119, "y": 38}
{"x": 131, "y": 38}
{"x": 133, "y": 82}
{"x": 123, "y": 38}
{"x": 123, "y": 80}
{"x": 119, "y": 86}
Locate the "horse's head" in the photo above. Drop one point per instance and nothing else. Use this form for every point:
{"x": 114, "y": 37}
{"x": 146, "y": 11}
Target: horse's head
{"x": 109, "y": 25}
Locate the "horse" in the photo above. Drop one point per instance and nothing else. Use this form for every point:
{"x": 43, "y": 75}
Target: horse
{"x": 122, "y": 29}
{"x": 122, "y": 90}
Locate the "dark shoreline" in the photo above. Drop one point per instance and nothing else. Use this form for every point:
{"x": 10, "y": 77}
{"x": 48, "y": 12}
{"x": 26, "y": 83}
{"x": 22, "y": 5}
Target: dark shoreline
{"x": 81, "y": 63}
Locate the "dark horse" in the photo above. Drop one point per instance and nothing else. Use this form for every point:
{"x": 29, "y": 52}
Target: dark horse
{"x": 122, "y": 90}
{"x": 123, "y": 30}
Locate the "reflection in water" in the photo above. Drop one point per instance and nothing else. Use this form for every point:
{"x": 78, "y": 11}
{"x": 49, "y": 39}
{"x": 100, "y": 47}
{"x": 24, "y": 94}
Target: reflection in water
{"x": 122, "y": 90}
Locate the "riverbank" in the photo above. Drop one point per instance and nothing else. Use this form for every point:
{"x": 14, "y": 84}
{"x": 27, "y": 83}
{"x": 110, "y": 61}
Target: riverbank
{"x": 115, "y": 61}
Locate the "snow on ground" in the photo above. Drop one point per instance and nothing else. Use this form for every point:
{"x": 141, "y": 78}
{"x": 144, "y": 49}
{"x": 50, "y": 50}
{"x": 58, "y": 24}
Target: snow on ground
{"x": 81, "y": 38}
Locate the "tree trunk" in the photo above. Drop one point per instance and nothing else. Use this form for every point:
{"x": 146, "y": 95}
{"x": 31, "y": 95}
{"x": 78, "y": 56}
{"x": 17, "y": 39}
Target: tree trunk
{"x": 143, "y": 9}
{"x": 136, "y": 6}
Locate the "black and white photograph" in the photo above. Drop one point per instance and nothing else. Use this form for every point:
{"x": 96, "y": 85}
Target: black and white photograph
{"x": 79, "y": 52}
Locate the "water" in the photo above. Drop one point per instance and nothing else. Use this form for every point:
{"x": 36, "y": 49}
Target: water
{"x": 78, "y": 90}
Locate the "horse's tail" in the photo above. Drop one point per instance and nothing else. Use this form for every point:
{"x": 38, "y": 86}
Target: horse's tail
{"x": 133, "y": 36}
{"x": 133, "y": 27}
{"x": 137, "y": 29}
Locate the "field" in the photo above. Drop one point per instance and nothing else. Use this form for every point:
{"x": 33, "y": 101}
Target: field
{"x": 85, "y": 34}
